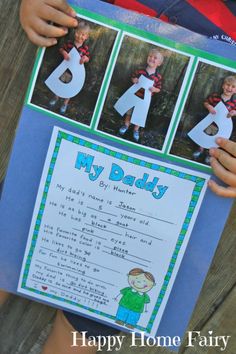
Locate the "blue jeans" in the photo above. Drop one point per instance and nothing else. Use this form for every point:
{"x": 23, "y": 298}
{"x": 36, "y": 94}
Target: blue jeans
{"x": 128, "y": 316}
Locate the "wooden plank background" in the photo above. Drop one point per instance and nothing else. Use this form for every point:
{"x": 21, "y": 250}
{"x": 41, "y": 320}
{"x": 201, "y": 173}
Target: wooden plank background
{"x": 24, "y": 325}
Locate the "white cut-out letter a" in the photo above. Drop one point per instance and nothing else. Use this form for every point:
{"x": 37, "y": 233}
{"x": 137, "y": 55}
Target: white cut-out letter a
{"x": 141, "y": 105}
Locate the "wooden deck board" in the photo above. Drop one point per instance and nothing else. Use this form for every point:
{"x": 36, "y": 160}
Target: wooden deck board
{"x": 222, "y": 323}
{"x": 17, "y": 57}
{"x": 22, "y": 321}
{"x": 221, "y": 277}
{"x": 24, "y": 324}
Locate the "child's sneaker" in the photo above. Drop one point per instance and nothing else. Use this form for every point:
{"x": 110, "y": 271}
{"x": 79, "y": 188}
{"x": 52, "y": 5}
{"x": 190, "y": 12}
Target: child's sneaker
{"x": 208, "y": 160}
{"x": 136, "y": 135}
{"x": 53, "y": 102}
{"x": 198, "y": 153}
{"x": 123, "y": 129}
{"x": 63, "y": 108}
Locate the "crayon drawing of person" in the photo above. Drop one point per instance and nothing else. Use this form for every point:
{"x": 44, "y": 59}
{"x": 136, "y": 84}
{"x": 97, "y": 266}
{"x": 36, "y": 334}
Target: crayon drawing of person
{"x": 134, "y": 298}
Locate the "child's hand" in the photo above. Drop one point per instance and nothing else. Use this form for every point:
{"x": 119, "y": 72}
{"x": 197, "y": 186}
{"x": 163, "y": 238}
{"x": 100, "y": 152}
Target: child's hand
{"x": 135, "y": 80}
{"x": 84, "y": 59}
{"x": 231, "y": 113}
{"x": 154, "y": 89}
{"x": 35, "y": 16}
{"x": 211, "y": 109}
{"x": 66, "y": 55}
{"x": 223, "y": 162}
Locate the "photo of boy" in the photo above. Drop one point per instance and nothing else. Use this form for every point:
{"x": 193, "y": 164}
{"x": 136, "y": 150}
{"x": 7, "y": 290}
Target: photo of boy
{"x": 154, "y": 60}
{"x": 159, "y": 74}
{"x": 227, "y": 96}
{"x": 87, "y": 49}
{"x": 81, "y": 34}
{"x": 211, "y": 85}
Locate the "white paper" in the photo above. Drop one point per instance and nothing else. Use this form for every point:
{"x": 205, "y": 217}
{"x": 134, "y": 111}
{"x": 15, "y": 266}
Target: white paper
{"x": 141, "y": 105}
{"x": 100, "y": 214}
{"x": 72, "y": 88}
{"x": 224, "y": 124}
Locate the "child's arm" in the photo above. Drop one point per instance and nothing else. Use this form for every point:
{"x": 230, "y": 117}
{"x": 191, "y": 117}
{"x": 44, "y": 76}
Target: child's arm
{"x": 64, "y": 53}
{"x": 85, "y": 55}
{"x": 135, "y": 77}
{"x": 84, "y": 59}
{"x": 134, "y": 80}
{"x": 154, "y": 89}
{"x": 209, "y": 107}
{"x": 223, "y": 163}
{"x": 36, "y": 15}
{"x": 232, "y": 113}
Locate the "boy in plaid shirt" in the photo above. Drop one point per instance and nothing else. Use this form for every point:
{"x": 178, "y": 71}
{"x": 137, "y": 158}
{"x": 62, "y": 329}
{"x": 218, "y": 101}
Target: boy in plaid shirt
{"x": 81, "y": 34}
{"x": 154, "y": 60}
{"x": 227, "y": 96}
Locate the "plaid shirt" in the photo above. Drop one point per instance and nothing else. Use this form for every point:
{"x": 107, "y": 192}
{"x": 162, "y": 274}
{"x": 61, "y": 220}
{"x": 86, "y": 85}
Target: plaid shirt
{"x": 215, "y": 98}
{"x": 156, "y": 77}
{"x": 83, "y": 49}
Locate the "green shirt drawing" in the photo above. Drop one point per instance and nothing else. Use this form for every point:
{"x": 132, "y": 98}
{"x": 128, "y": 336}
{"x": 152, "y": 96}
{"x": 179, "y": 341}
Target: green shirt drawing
{"x": 133, "y": 300}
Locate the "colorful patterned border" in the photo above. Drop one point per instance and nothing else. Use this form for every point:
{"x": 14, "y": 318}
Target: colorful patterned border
{"x": 199, "y": 183}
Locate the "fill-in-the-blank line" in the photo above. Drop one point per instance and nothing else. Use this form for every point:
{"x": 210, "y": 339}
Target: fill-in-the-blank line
{"x": 146, "y": 216}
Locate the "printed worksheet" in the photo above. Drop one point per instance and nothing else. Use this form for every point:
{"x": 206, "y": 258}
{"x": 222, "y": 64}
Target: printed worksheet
{"x": 109, "y": 231}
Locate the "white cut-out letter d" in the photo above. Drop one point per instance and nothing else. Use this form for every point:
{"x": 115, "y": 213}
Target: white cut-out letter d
{"x": 72, "y": 88}
{"x": 224, "y": 124}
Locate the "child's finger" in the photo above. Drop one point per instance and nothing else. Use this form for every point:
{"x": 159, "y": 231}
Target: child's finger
{"x": 226, "y": 176}
{"x": 62, "y": 6}
{"x": 227, "y": 145}
{"x": 225, "y": 158}
{"x": 40, "y": 40}
{"x": 43, "y": 28}
{"x": 51, "y": 14}
{"x": 221, "y": 191}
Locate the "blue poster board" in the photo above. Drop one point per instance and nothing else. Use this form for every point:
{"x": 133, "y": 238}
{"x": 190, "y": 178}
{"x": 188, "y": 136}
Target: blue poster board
{"x": 33, "y": 138}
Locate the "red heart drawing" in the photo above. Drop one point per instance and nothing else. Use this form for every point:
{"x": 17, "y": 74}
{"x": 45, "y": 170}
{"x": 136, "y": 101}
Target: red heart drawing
{"x": 44, "y": 287}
